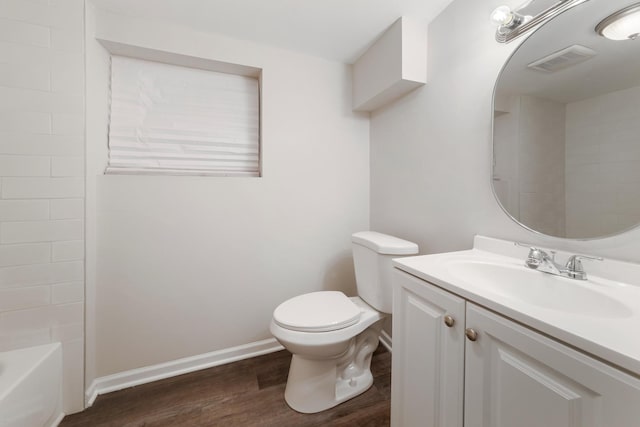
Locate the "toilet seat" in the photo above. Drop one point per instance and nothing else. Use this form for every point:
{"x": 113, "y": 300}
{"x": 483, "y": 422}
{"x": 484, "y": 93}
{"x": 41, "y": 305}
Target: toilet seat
{"x": 317, "y": 312}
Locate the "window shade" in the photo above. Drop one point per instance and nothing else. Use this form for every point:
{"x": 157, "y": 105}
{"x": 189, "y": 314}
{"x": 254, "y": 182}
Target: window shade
{"x": 169, "y": 119}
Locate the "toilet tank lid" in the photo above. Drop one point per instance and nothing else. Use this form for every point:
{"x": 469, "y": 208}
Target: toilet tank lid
{"x": 384, "y": 244}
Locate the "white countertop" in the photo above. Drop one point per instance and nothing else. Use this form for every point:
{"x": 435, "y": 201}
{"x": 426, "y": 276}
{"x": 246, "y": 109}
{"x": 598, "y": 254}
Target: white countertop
{"x": 610, "y": 334}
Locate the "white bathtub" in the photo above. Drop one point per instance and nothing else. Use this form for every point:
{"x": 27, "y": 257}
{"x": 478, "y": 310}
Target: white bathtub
{"x": 31, "y": 386}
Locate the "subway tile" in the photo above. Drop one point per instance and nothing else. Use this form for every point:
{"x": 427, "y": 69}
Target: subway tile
{"x": 69, "y": 332}
{"x": 27, "y": 56}
{"x": 67, "y": 63}
{"x": 41, "y": 274}
{"x": 42, "y": 2}
{"x": 42, "y": 93}
{"x": 41, "y": 231}
{"x": 67, "y": 166}
{"x": 38, "y": 253}
{"x": 40, "y": 318}
{"x": 66, "y": 209}
{"x": 67, "y": 251}
{"x": 67, "y": 314}
{"x": 14, "y": 339}
{"x": 23, "y": 298}
{"x": 24, "y": 121}
{"x": 67, "y": 124}
{"x": 27, "y": 100}
{"x": 24, "y": 210}
{"x": 16, "y": 75}
{"x": 41, "y": 144}
{"x": 67, "y": 41}
{"x": 42, "y": 188}
{"x": 74, "y": 4}
{"x": 22, "y": 33}
{"x": 67, "y": 74}
{"x": 65, "y": 3}
{"x": 33, "y": 57}
{"x": 67, "y": 292}
{"x": 70, "y": 16}
{"x": 25, "y": 166}
{"x": 30, "y": 319}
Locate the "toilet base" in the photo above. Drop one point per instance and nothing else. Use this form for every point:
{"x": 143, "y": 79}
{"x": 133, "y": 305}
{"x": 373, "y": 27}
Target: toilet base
{"x": 315, "y": 385}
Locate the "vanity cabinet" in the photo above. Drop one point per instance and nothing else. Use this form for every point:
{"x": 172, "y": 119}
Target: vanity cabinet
{"x": 484, "y": 370}
{"x": 428, "y": 355}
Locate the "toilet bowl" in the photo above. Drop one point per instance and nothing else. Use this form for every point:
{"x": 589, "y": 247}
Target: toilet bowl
{"x": 331, "y": 336}
{"x": 330, "y": 367}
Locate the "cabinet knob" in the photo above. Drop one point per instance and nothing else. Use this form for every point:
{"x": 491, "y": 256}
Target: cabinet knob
{"x": 471, "y": 334}
{"x": 449, "y": 321}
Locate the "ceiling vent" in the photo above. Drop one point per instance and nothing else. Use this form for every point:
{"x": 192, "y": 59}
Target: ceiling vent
{"x": 562, "y": 59}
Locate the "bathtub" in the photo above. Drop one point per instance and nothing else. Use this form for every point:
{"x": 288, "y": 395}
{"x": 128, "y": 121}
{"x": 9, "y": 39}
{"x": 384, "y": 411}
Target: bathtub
{"x": 31, "y": 386}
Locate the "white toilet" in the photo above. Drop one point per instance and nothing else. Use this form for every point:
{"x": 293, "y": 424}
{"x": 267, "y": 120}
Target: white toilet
{"x": 332, "y": 336}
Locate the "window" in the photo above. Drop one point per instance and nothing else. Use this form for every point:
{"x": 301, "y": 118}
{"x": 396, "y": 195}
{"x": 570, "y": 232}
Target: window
{"x": 174, "y": 120}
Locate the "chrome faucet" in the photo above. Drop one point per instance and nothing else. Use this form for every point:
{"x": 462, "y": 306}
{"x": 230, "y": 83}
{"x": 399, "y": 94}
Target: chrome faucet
{"x": 574, "y": 266}
{"x": 542, "y": 261}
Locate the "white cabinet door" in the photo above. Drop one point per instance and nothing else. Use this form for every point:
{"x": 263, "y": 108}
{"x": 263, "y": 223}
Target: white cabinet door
{"x": 515, "y": 377}
{"x": 428, "y": 355}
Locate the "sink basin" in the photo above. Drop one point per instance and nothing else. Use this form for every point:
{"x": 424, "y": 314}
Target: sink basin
{"x": 546, "y": 291}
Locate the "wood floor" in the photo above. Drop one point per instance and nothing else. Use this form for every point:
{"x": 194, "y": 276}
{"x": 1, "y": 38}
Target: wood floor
{"x": 245, "y": 393}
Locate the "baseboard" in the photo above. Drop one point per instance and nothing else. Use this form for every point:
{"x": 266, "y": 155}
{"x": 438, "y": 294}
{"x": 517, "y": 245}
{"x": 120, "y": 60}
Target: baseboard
{"x": 55, "y": 422}
{"x": 173, "y": 368}
{"x": 385, "y": 340}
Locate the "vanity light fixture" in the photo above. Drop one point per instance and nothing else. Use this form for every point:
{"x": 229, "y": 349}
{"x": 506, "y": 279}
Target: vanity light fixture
{"x": 506, "y": 19}
{"x": 513, "y": 23}
{"x": 621, "y": 25}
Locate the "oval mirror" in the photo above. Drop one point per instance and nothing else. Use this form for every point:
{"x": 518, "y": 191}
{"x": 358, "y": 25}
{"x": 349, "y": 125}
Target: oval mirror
{"x": 566, "y": 129}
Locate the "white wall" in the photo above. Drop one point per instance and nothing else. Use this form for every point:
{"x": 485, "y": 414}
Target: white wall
{"x": 603, "y": 163}
{"x": 42, "y": 186}
{"x": 431, "y": 151}
{"x": 181, "y": 266}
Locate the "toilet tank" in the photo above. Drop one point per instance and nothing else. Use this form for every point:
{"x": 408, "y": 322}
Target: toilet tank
{"x": 372, "y": 255}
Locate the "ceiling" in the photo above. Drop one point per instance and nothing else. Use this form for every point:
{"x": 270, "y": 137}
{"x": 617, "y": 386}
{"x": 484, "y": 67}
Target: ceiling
{"x": 339, "y": 30}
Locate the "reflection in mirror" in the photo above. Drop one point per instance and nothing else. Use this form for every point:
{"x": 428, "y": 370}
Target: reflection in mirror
{"x": 567, "y": 128}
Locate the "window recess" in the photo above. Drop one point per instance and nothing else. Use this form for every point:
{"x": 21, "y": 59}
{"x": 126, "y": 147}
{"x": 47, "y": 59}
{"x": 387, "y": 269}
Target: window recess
{"x": 172, "y": 120}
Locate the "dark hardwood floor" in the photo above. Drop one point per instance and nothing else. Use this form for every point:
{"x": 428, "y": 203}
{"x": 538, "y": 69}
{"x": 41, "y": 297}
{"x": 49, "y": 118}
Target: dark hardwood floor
{"x": 245, "y": 393}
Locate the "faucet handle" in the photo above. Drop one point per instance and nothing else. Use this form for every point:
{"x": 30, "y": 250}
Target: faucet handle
{"x": 536, "y": 256}
{"x": 574, "y": 266}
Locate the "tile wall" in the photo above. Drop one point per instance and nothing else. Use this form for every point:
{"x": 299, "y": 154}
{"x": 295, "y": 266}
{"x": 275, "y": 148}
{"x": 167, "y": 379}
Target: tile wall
{"x": 603, "y": 163}
{"x": 542, "y": 165}
{"x": 42, "y": 181}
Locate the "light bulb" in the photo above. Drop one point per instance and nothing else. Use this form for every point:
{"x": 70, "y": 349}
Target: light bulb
{"x": 501, "y": 16}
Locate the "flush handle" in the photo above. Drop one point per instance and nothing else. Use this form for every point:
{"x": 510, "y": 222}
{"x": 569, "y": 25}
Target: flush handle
{"x": 471, "y": 334}
{"x": 449, "y": 321}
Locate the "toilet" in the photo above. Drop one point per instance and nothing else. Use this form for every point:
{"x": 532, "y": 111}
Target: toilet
{"x": 332, "y": 336}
